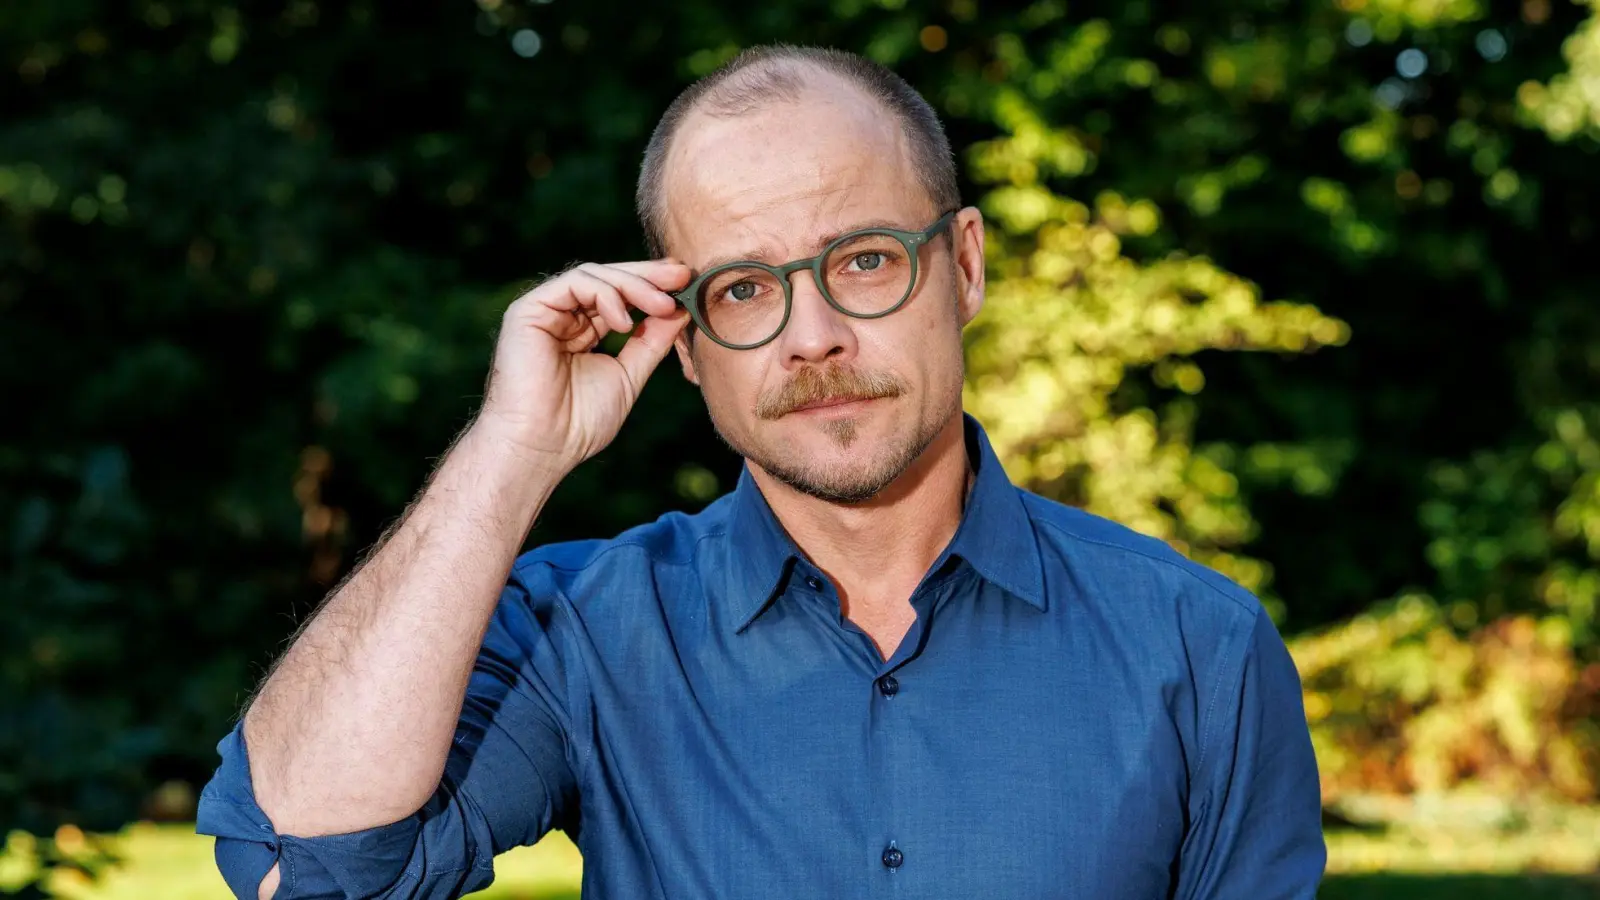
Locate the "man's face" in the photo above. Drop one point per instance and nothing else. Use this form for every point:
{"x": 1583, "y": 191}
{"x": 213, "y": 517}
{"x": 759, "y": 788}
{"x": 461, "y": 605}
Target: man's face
{"x": 836, "y": 407}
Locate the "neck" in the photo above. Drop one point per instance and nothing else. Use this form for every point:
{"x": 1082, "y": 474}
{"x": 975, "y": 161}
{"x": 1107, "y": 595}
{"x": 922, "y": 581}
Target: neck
{"x": 877, "y": 552}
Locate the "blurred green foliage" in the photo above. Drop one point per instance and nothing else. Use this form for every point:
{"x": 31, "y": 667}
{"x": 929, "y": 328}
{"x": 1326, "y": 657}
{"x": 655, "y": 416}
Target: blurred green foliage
{"x": 1399, "y": 702}
{"x": 1304, "y": 288}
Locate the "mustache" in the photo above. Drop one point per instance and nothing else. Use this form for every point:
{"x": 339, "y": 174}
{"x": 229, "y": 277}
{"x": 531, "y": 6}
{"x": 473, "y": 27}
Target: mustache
{"x": 809, "y": 386}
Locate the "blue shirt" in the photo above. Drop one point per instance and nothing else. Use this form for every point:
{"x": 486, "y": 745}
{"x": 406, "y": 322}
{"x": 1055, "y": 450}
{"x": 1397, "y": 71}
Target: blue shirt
{"x": 1078, "y": 711}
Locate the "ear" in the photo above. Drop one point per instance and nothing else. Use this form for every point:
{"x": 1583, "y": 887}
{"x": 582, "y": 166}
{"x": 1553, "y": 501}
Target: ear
{"x": 685, "y": 347}
{"x": 966, "y": 240}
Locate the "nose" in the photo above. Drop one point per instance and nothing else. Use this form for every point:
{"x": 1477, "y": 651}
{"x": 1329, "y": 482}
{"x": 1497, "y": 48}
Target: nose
{"x": 816, "y": 332}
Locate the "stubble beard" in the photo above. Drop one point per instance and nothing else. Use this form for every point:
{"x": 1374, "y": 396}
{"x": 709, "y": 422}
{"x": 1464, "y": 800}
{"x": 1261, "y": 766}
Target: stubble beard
{"x": 847, "y": 484}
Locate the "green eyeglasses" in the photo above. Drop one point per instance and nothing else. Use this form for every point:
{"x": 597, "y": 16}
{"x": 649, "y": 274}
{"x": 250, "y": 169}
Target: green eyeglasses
{"x": 865, "y": 274}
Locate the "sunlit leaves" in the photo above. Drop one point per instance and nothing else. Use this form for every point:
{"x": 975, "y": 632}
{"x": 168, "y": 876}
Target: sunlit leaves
{"x": 1417, "y": 13}
{"x": 1035, "y": 150}
{"x": 1495, "y": 544}
{"x": 1398, "y": 701}
{"x": 1570, "y": 103}
{"x": 1373, "y": 141}
{"x": 1070, "y": 318}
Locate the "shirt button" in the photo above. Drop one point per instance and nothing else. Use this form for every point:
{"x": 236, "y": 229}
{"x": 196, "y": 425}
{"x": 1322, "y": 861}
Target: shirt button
{"x": 888, "y": 686}
{"x": 814, "y": 582}
{"x": 892, "y": 857}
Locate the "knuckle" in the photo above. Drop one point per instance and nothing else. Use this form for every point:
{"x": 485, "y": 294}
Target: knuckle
{"x": 518, "y": 307}
{"x": 539, "y": 288}
{"x": 527, "y": 290}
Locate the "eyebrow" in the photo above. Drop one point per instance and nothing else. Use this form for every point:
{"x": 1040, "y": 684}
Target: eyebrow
{"x": 817, "y": 245}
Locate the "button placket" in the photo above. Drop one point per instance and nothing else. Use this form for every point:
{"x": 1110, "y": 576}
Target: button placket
{"x": 890, "y": 856}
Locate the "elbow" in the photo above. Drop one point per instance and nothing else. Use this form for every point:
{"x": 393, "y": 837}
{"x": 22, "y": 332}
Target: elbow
{"x": 305, "y": 798}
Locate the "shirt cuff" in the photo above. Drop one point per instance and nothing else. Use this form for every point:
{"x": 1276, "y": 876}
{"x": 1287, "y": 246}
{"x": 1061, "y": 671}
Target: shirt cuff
{"x": 358, "y": 864}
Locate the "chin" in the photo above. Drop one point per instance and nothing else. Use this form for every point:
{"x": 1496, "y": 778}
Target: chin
{"x": 842, "y": 439}
{"x": 840, "y": 462}
{"x": 846, "y": 484}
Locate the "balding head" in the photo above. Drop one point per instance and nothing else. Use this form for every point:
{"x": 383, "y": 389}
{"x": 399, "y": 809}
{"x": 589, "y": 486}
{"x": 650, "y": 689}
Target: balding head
{"x": 787, "y": 155}
{"x": 776, "y": 75}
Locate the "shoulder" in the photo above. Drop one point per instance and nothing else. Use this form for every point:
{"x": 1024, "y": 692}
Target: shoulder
{"x": 1186, "y": 624}
{"x": 1106, "y": 562}
{"x": 1169, "y": 624}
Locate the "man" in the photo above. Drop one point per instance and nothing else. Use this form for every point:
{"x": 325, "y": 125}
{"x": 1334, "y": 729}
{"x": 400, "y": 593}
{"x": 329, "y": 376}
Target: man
{"x": 876, "y": 669}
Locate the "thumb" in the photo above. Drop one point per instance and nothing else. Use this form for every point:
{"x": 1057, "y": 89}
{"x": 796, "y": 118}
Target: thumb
{"x": 650, "y": 343}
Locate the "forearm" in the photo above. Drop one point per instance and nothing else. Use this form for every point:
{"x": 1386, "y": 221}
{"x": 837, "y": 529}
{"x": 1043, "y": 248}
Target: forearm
{"x": 352, "y": 728}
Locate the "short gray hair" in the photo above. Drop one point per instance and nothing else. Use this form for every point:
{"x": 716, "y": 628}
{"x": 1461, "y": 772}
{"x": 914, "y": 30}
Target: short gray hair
{"x": 776, "y": 73}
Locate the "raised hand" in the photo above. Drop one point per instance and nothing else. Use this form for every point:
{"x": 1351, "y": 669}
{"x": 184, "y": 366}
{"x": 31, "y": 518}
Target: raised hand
{"x": 548, "y": 392}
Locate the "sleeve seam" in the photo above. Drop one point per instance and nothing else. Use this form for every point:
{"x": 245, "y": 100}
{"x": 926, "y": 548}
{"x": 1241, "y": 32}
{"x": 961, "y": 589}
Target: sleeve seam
{"x": 582, "y": 733}
{"x": 570, "y": 707}
{"x": 1232, "y": 676}
{"x": 579, "y": 710}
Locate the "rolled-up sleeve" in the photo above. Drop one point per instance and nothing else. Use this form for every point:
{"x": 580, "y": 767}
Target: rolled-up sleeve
{"x": 507, "y": 781}
{"x": 1256, "y": 808}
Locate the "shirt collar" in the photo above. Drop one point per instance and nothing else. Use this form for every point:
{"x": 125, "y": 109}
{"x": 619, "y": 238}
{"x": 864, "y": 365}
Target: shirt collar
{"x": 995, "y": 537}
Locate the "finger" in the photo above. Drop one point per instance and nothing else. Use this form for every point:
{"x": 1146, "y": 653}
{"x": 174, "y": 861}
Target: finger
{"x": 587, "y": 337}
{"x": 639, "y": 291}
{"x": 600, "y": 297}
{"x": 650, "y": 344}
{"x": 562, "y": 324}
{"x": 665, "y": 274}
{"x": 598, "y": 325}
{"x": 598, "y": 322}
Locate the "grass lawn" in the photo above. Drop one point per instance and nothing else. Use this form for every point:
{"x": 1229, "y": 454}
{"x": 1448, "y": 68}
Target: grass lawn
{"x": 171, "y": 862}
{"x": 1555, "y": 856}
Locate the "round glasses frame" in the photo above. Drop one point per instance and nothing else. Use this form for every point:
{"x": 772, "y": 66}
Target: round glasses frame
{"x": 689, "y": 297}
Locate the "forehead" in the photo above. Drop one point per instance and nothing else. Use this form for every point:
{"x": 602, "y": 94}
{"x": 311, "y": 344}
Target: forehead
{"x": 769, "y": 184}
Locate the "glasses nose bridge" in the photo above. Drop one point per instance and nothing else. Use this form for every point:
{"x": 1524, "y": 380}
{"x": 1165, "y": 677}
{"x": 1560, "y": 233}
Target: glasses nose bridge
{"x": 812, "y": 327}
{"x": 787, "y": 270}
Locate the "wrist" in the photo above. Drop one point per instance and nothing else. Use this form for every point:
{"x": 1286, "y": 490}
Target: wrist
{"x": 502, "y": 439}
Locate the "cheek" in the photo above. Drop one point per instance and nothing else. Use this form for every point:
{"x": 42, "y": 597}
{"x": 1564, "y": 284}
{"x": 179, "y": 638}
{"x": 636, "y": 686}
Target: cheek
{"x": 940, "y": 357}
{"x": 937, "y": 339}
{"x": 925, "y": 353}
{"x": 729, "y": 385}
